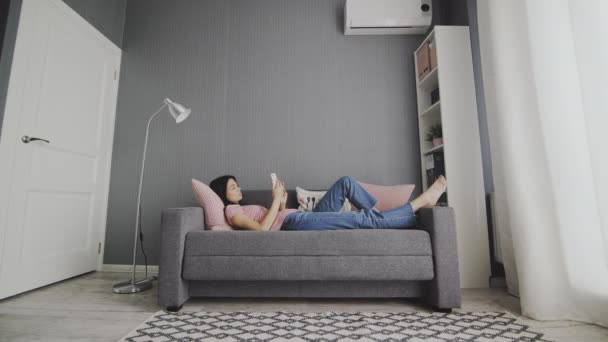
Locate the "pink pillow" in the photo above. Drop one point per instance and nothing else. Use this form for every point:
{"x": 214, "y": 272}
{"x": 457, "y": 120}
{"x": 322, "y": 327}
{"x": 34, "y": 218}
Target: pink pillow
{"x": 212, "y": 206}
{"x": 388, "y": 196}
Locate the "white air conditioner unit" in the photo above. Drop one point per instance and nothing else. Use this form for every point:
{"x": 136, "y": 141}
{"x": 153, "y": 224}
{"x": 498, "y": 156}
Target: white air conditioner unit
{"x": 387, "y": 16}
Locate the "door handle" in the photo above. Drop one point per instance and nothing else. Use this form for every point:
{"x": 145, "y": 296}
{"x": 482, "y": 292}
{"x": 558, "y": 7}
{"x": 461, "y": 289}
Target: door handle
{"x": 27, "y": 139}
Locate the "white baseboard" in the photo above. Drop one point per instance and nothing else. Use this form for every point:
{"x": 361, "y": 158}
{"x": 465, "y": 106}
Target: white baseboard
{"x": 128, "y": 268}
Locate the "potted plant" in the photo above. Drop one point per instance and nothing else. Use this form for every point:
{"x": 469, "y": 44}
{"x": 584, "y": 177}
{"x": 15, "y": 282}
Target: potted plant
{"x": 435, "y": 135}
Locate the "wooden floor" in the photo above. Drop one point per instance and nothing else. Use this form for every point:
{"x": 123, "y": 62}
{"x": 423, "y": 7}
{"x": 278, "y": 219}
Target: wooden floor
{"x": 85, "y": 309}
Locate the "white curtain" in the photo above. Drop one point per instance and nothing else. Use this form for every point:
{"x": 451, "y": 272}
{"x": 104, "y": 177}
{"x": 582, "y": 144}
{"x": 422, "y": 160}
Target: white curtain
{"x": 545, "y": 73}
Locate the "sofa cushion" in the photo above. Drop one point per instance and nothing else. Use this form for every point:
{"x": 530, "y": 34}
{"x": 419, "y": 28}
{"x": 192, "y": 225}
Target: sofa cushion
{"x": 365, "y": 242}
{"x": 308, "y": 267}
{"x": 308, "y": 288}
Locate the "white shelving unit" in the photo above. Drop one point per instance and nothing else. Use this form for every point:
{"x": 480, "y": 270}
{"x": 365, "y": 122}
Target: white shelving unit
{"x": 456, "y": 110}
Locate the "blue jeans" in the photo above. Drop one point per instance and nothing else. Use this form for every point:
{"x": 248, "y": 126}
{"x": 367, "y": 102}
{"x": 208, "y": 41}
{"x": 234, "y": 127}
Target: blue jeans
{"x": 326, "y": 214}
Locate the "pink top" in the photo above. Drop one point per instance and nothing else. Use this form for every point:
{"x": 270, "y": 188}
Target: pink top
{"x": 256, "y": 213}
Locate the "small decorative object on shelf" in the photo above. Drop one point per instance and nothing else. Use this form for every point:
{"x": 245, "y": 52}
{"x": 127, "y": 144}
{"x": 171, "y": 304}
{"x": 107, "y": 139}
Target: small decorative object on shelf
{"x": 435, "y": 135}
{"x": 432, "y": 55}
{"x": 435, "y": 96}
{"x": 423, "y": 61}
{"x": 435, "y": 167}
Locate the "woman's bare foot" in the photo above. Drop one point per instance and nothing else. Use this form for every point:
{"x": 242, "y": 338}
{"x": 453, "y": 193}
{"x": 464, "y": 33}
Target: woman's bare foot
{"x": 435, "y": 191}
{"x": 429, "y": 198}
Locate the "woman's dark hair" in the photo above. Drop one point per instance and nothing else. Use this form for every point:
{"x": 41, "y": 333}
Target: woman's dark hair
{"x": 219, "y": 186}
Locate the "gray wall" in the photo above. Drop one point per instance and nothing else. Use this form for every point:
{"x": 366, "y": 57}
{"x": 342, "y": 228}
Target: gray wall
{"x": 6, "y": 55}
{"x": 274, "y": 86}
{"x": 453, "y": 12}
{"x": 4, "y": 7}
{"x": 108, "y": 16}
{"x": 449, "y": 12}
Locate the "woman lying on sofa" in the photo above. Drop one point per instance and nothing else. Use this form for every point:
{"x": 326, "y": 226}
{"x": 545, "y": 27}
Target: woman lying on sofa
{"x": 326, "y": 215}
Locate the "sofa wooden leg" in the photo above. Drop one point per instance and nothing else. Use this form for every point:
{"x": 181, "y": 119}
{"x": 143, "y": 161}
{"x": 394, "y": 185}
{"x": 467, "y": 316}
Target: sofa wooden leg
{"x": 447, "y": 310}
{"x": 174, "y": 308}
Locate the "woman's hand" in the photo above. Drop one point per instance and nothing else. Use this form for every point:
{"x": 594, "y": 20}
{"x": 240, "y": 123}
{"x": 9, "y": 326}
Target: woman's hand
{"x": 278, "y": 190}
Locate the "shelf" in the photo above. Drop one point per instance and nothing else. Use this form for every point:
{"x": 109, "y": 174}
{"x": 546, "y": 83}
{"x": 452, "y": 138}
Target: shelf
{"x": 461, "y": 150}
{"x": 434, "y": 149}
{"x": 432, "y": 110}
{"x": 430, "y": 81}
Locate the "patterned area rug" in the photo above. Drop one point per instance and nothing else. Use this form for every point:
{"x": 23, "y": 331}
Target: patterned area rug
{"x": 332, "y": 326}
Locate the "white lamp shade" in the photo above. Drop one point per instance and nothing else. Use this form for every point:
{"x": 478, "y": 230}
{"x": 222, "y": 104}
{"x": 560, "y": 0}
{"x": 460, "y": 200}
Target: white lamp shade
{"x": 178, "y": 112}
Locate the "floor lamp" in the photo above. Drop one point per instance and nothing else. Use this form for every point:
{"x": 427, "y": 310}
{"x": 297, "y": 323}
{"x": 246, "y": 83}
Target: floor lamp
{"x": 179, "y": 113}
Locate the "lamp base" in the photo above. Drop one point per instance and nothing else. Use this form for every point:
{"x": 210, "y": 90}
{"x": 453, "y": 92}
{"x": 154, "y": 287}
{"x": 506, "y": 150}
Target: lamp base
{"x": 132, "y": 287}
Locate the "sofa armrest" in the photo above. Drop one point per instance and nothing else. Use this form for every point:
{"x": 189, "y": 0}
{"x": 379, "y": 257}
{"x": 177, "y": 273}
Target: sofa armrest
{"x": 175, "y": 224}
{"x": 444, "y": 289}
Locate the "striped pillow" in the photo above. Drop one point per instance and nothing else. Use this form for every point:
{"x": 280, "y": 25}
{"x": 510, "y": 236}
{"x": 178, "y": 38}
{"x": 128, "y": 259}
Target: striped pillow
{"x": 212, "y": 206}
{"x": 308, "y": 200}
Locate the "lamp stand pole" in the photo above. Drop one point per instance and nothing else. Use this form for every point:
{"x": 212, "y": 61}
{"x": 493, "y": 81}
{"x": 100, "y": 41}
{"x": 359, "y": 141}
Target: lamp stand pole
{"x": 132, "y": 286}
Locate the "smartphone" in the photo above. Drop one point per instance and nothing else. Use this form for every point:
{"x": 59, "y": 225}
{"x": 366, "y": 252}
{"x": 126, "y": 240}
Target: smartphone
{"x": 273, "y": 176}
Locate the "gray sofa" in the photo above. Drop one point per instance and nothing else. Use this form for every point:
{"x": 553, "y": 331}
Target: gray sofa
{"x": 419, "y": 262}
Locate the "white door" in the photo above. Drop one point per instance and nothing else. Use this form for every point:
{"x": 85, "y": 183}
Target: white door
{"x": 53, "y": 196}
